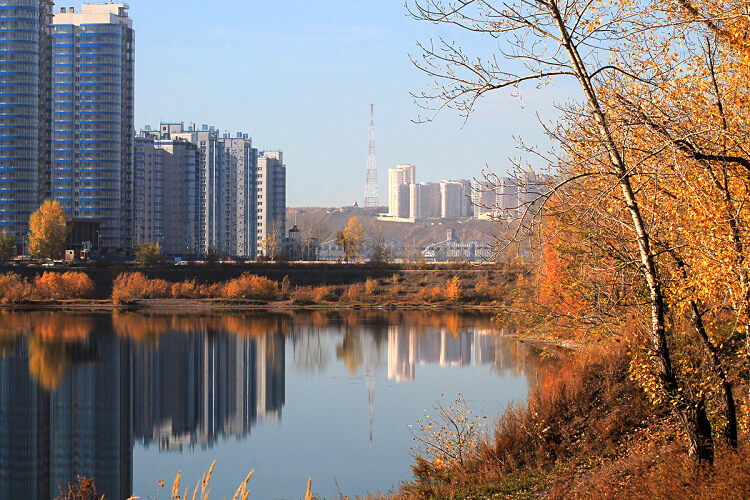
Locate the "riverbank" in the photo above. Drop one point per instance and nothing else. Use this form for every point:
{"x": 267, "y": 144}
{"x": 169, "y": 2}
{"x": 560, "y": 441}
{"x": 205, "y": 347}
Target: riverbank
{"x": 587, "y": 431}
{"x": 371, "y": 287}
{"x": 180, "y": 306}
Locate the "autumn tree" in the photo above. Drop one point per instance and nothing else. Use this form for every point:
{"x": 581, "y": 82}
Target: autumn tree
{"x": 47, "y": 232}
{"x": 7, "y": 246}
{"x": 350, "y": 239}
{"x": 546, "y": 39}
{"x": 149, "y": 254}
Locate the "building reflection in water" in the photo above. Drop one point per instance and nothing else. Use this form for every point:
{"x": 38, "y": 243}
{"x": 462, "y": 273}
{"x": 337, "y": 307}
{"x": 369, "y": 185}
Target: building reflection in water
{"x": 76, "y": 393}
{"x": 75, "y": 408}
{"x": 83, "y": 427}
{"x": 412, "y": 346}
{"x": 195, "y": 388}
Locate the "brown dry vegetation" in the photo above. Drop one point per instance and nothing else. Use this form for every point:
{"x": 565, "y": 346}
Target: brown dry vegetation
{"x": 48, "y": 286}
{"x": 587, "y": 431}
{"x": 450, "y": 288}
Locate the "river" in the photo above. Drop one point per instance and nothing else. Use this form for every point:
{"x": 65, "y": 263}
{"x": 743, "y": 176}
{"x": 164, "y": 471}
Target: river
{"x": 130, "y": 399}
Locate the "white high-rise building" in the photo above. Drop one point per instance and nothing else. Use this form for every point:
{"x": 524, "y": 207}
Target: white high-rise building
{"x": 399, "y": 179}
{"x": 271, "y": 202}
{"x": 425, "y": 201}
{"x": 455, "y": 199}
{"x": 239, "y": 205}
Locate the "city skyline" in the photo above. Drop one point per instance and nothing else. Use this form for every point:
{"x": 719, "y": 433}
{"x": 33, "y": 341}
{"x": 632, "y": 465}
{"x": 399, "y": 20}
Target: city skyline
{"x": 314, "y": 104}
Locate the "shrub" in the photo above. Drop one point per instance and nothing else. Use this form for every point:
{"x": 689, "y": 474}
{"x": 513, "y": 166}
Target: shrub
{"x": 129, "y": 286}
{"x": 453, "y": 290}
{"x": 432, "y": 294}
{"x": 49, "y": 286}
{"x": 14, "y": 289}
{"x": 354, "y": 293}
{"x": 251, "y": 287}
{"x": 371, "y": 286}
{"x": 78, "y": 285}
{"x": 187, "y": 290}
{"x": 285, "y": 286}
{"x": 323, "y": 294}
{"x": 148, "y": 254}
{"x": 157, "y": 289}
{"x": 484, "y": 290}
{"x": 302, "y": 296}
{"x": 55, "y": 286}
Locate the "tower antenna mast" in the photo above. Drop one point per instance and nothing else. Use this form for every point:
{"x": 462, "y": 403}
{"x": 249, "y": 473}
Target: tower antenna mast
{"x": 372, "y": 198}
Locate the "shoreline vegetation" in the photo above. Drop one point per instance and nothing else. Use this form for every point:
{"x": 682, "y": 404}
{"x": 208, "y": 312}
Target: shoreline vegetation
{"x": 433, "y": 289}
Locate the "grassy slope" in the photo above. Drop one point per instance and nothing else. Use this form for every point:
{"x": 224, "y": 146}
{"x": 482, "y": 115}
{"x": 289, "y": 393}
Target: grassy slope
{"x": 587, "y": 432}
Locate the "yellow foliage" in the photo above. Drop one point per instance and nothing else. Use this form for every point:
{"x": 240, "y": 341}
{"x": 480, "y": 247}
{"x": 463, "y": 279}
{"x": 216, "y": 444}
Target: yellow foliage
{"x": 47, "y": 232}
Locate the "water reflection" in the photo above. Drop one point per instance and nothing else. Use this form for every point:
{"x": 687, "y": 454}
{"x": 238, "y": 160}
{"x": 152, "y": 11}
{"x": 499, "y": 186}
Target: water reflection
{"x": 79, "y": 392}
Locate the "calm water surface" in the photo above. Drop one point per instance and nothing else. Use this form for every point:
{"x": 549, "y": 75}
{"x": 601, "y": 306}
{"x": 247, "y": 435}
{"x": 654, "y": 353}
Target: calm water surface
{"x": 131, "y": 399}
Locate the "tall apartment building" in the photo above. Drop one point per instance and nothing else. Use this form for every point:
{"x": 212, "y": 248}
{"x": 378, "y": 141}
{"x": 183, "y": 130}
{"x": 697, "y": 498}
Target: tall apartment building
{"x": 484, "y": 196}
{"x": 456, "y": 199}
{"x": 210, "y": 189}
{"x": 226, "y": 186}
{"x": 271, "y": 200}
{"x": 94, "y": 111}
{"x": 399, "y": 179}
{"x": 241, "y": 163}
{"x": 165, "y": 190}
{"x": 25, "y": 112}
{"x": 510, "y": 197}
{"x": 424, "y": 200}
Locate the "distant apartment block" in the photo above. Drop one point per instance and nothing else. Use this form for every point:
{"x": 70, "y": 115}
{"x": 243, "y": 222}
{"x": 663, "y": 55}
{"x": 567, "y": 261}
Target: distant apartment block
{"x": 509, "y": 197}
{"x": 93, "y": 118}
{"x": 240, "y": 216}
{"x": 271, "y": 201}
{"x": 399, "y": 180}
{"x": 455, "y": 197}
{"x": 409, "y": 201}
{"x": 165, "y": 190}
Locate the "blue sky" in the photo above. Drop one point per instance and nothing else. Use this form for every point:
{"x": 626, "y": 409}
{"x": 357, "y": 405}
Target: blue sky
{"x": 299, "y": 75}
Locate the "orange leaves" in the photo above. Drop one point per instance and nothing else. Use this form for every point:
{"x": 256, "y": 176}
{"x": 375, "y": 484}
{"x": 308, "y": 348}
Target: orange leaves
{"x": 70, "y": 285}
{"x": 251, "y": 287}
{"x": 48, "y": 286}
{"x": 134, "y": 286}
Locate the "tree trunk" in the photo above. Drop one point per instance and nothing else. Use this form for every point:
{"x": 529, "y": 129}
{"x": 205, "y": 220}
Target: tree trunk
{"x": 691, "y": 414}
{"x": 698, "y": 429}
{"x": 730, "y": 406}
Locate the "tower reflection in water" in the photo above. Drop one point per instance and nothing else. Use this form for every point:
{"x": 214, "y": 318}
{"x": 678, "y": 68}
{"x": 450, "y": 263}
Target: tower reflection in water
{"x": 73, "y": 405}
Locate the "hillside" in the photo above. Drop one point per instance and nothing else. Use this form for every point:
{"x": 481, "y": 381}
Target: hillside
{"x": 323, "y": 223}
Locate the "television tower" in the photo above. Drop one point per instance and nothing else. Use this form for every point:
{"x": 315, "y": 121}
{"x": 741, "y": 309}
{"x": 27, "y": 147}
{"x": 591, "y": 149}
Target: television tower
{"x": 372, "y": 198}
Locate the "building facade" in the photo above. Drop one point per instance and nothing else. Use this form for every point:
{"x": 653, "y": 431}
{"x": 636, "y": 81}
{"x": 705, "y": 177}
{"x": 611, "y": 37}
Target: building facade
{"x": 225, "y": 190}
{"x": 165, "y": 190}
{"x": 240, "y": 216}
{"x": 94, "y": 111}
{"x": 271, "y": 202}
{"x": 24, "y": 110}
{"x": 399, "y": 179}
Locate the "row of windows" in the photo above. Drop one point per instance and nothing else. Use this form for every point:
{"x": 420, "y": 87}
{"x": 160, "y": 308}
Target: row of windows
{"x": 63, "y": 79}
{"x": 20, "y": 36}
{"x": 26, "y": 56}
